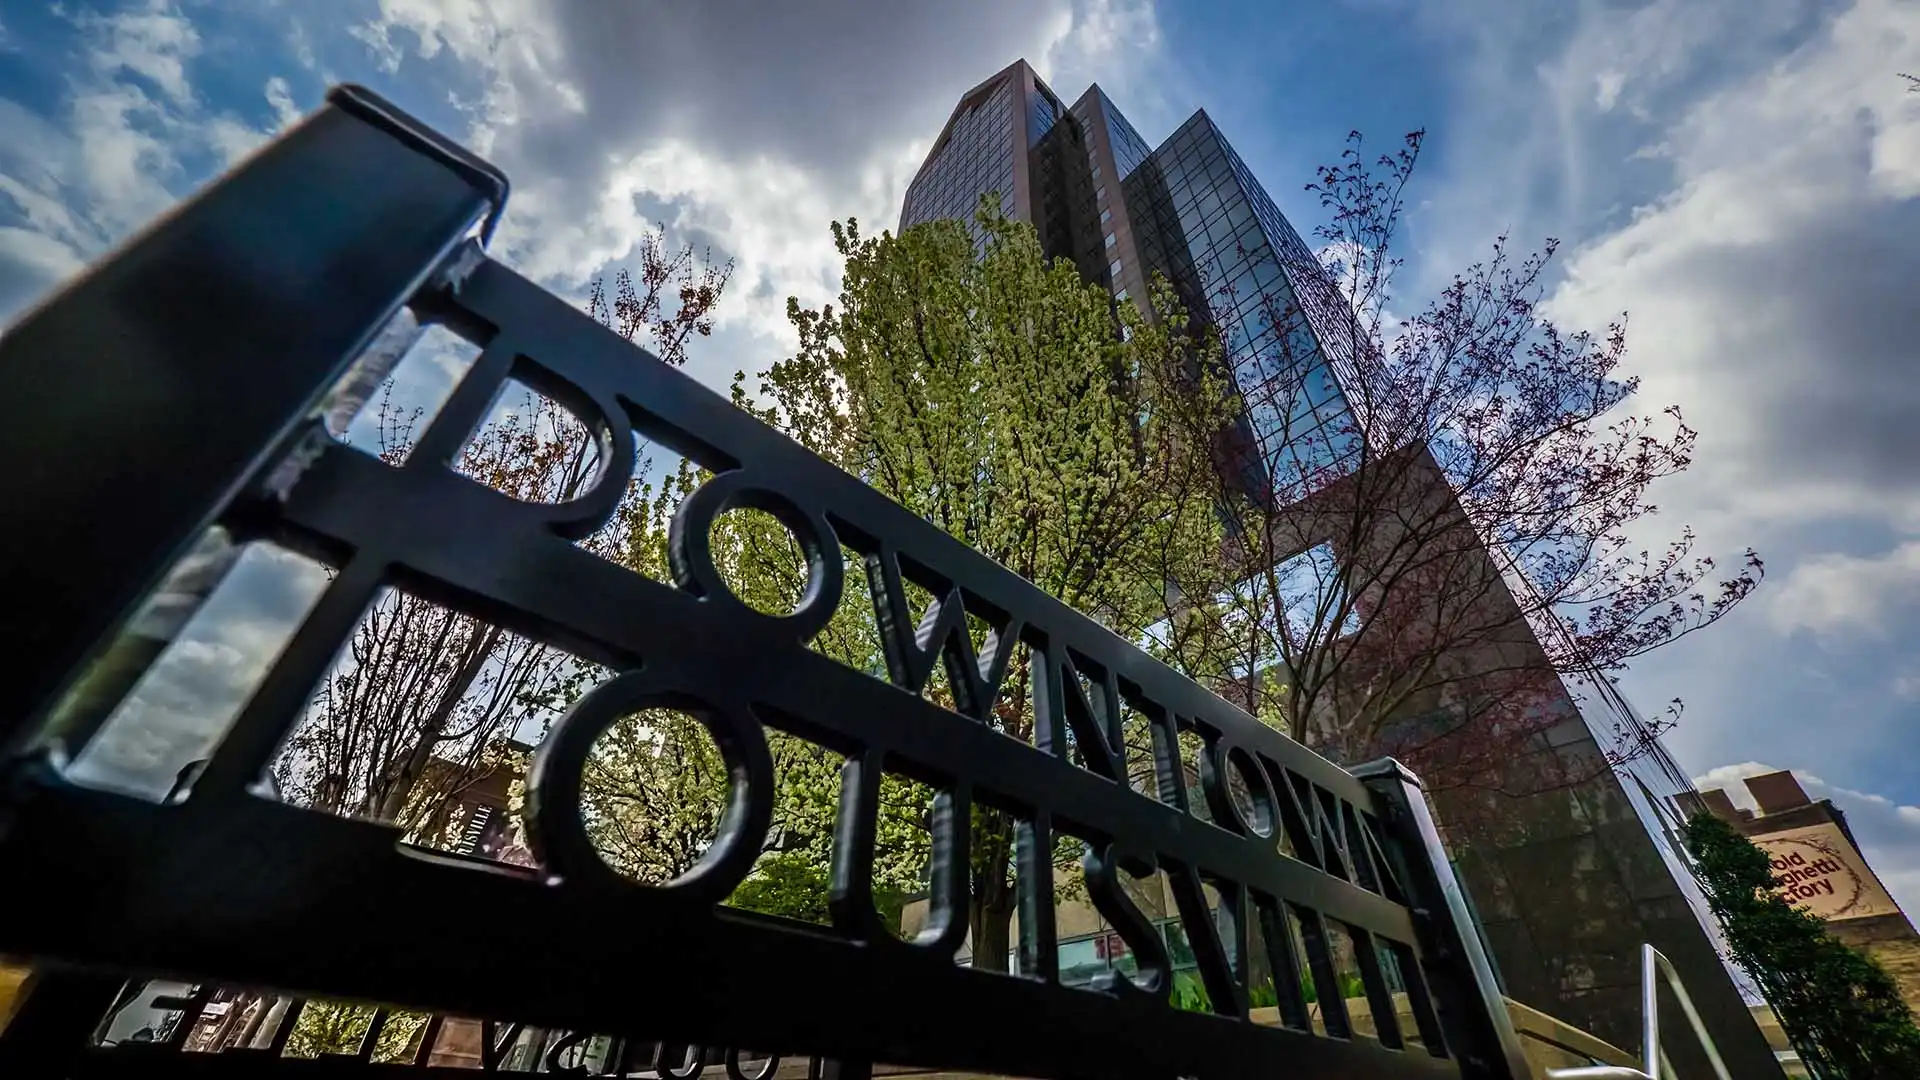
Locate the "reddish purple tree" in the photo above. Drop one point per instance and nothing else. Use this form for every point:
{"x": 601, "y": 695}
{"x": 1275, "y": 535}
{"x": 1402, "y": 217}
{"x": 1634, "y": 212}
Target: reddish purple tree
{"x": 1436, "y": 523}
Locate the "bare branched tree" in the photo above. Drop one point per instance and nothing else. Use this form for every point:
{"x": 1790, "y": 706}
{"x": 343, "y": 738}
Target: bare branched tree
{"x": 427, "y": 701}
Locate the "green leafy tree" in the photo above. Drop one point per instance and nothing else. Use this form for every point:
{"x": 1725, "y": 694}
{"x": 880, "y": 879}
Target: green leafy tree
{"x": 655, "y": 787}
{"x": 1841, "y": 1009}
{"x": 338, "y": 1027}
{"x": 789, "y": 884}
{"x": 1005, "y": 400}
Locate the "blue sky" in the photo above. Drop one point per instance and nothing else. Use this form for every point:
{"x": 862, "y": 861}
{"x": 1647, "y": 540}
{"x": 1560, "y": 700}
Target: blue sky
{"x": 1742, "y": 176}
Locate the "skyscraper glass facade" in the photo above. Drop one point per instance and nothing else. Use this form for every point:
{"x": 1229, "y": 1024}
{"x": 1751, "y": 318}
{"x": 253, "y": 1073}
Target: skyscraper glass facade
{"x": 1042, "y": 110}
{"x": 1129, "y": 149}
{"x": 975, "y": 155}
{"x": 1189, "y": 210}
{"x": 1198, "y": 221}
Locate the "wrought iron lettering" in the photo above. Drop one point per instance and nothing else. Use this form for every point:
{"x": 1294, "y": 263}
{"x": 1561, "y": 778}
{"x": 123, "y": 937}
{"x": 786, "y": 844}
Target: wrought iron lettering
{"x": 227, "y": 883}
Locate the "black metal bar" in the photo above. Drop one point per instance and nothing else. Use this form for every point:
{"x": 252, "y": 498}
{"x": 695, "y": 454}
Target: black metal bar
{"x": 160, "y": 381}
{"x": 197, "y": 1002}
{"x": 1039, "y": 937}
{"x": 1277, "y": 935}
{"x": 1419, "y": 1001}
{"x": 55, "y": 1019}
{"x": 370, "y": 1038}
{"x": 1327, "y": 992}
{"x": 1473, "y": 1016}
{"x": 1386, "y": 1019}
{"x": 135, "y": 1063}
{"x": 845, "y": 1070}
{"x": 429, "y": 1038}
{"x": 289, "y": 1020}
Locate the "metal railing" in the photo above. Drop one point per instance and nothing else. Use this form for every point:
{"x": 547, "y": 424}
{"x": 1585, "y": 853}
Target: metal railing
{"x": 1654, "y": 969}
{"x": 183, "y": 388}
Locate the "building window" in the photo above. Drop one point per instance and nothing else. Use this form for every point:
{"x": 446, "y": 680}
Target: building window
{"x": 1106, "y": 216}
{"x": 1080, "y": 961}
{"x": 1121, "y": 296}
{"x": 1113, "y": 268}
{"x": 1110, "y": 240}
{"x": 1100, "y": 194}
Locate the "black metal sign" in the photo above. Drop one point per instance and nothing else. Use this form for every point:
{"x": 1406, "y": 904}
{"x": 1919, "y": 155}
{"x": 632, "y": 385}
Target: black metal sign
{"x": 177, "y": 386}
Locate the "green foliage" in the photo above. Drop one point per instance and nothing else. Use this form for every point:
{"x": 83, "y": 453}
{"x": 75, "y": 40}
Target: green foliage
{"x": 1262, "y": 995}
{"x": 1007, "y": 402}
{"x": 998, "y": 398}
{"x": 655, "y": 787}
{"x": 653, "y": 793}
{"x": 1842, "y": 1011}
{"x": 792, "y": 885}
{"x": 337, "y": 1027}
{"x": 1189, "y": 993}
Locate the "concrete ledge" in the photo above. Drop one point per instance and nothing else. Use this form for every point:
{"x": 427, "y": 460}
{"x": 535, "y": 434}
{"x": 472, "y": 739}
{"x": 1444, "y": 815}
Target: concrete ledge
{"x": 11, "y": 979}
{"x": 1548, "y": 1042}
{"x": 1551, "y": 1043}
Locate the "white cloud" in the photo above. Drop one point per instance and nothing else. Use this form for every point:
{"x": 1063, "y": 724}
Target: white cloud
{"x": 42, "y": 254}
{"x": 820, "y": 117}
{"x": 280, "y": 97}
{"x": 1119, "y": 44}
{"x": 1761, "y": 300}
{"x": 1103, "y": 30}
{"x": 1547, "y": 94}
{"x": 153, "y": 41}
{"x": 1833, "y": 593}
{"x": 122, "y": 163}
{"x": 114, "y": 155}
{"x": 1739, "y": 176}
{"x": 1887, "y": 829}
{"x": 302, "y": 46}
{"x": 232, "y": 139}
{"x": 770, "y": 214}
{"x": 1607, "y": 86}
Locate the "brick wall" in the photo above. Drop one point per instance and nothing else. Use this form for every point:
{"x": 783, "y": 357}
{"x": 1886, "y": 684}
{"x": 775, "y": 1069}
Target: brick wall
{"x": 1891, "y": 940}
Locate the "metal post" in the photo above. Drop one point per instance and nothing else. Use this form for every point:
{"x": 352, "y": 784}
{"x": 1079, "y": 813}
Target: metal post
{"x": 1650, "y": 1015}
{"x": 1654, "y": 968}
{"x": 1654, "y": 962}
{"x": 157, "y": 385}
{"x": 1473, "y": 1015}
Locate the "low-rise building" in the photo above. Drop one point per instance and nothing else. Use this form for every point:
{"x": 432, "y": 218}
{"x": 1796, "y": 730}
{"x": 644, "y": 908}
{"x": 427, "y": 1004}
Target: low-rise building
{"x": 1820, "y": 869}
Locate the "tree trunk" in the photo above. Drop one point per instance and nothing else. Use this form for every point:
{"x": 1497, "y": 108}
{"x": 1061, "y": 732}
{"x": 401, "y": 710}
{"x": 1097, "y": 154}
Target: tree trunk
{"x": 991, "y": 926}
{"x": 393, "y": 801}
{"x": 994, "y": 896}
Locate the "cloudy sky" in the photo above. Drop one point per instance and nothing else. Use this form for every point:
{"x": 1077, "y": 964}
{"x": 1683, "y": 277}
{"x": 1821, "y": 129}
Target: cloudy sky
{"x": 1742, "y": 176}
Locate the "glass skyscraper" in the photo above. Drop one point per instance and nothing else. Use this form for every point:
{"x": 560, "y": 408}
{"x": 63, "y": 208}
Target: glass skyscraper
{"x": 1190, "y": 210}
{"x": 1585, "y": 873}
